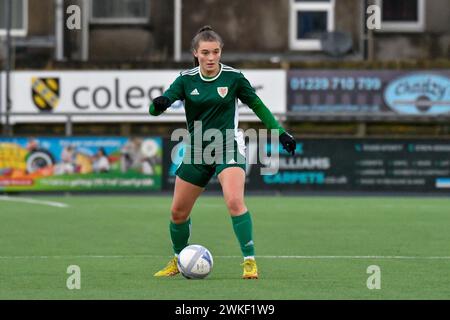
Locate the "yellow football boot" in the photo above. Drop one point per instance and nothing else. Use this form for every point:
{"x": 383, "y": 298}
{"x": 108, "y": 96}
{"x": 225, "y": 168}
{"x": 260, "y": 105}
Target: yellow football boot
{"x": 250, "y": 269}
{"x": 170, "y": 270}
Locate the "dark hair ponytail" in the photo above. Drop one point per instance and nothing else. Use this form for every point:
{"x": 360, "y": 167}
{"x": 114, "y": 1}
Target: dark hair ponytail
{"x": 204, "y": 28}
{"x": 205, "y": 33}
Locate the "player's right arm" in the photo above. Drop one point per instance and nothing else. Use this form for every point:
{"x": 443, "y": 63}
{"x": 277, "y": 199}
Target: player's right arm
{"x": 173, "y": 93}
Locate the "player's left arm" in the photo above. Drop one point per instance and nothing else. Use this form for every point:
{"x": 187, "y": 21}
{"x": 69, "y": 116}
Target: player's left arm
{"x": 247, "y": 95}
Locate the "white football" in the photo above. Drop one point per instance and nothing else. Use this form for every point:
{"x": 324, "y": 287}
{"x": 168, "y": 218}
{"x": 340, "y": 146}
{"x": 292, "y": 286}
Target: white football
{"x": 195, "y": 262}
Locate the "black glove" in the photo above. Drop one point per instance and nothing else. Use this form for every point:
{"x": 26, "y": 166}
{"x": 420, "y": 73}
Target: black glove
{"x": 161, "y": 103}
{"x": 288, "y": 142}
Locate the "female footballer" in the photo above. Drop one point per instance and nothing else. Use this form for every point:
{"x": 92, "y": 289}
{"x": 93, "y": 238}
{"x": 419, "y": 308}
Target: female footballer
{"x": 210, "y": 92}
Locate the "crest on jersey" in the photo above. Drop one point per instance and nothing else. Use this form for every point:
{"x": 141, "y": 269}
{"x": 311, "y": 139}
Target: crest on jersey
{"x": 45, "y": 93}
{"x": 222, "y": 91}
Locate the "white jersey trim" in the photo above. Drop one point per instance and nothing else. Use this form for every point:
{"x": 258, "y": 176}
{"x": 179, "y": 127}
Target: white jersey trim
{"x": 230, "y": 69}
{"x": 190, "y": 72}
{"x": 238, "y": 135}
{"x": 212, "y": 79}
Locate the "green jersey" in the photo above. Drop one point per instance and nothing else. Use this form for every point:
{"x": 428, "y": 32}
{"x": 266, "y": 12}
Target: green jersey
{"x": 214, "y": 101}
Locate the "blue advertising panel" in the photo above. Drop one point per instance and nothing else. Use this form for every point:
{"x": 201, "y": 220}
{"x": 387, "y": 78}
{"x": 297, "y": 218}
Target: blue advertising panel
{"x": 352, "y": 92}
{"x": 384, "y": 165}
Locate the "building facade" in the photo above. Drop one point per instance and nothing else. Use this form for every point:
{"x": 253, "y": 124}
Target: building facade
{"x": 142, "y": 31}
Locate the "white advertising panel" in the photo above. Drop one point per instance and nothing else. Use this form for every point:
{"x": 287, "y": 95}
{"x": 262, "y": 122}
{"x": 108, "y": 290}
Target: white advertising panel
{"x": 117, "y": 96}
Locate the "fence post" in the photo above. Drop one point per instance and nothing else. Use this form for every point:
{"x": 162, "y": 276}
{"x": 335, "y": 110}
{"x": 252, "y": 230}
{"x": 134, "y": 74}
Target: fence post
{"x": 69, "y": 129}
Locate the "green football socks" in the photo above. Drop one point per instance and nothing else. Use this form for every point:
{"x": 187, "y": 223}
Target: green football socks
{"x": 180, "y": 233}
{"x": 242, "y": 226}
{"x": 243, "y": 229}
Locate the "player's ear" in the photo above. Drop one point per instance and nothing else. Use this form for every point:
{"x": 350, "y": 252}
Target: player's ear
{"x": 195, "y": 53}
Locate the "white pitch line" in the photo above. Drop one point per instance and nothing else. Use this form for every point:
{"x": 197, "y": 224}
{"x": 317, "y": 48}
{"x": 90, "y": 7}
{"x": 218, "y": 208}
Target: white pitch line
{"x": 33, "y": 201}
{"x": 227, "y": 257}
{"x": 360, "y": 257}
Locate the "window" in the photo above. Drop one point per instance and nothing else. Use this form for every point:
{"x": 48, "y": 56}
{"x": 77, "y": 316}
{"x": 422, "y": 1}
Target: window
{"x": 19, "y": 19}
{"x": 120, "y": 11}
{"x": 309, "y": 20}
{"x": 402, "y": 15}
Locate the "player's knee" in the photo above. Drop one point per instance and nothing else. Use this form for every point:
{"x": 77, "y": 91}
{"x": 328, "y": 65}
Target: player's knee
{"x": 179, "y": 214}
{"x": 235, "y": 205}
{"x": 177, "y": 219}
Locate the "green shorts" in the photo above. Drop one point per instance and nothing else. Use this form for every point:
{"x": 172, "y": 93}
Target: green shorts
{"x": 200, "y": 174}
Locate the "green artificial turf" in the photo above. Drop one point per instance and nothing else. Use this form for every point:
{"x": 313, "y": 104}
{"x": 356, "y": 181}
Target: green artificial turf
{"x": 306, "y": 247}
